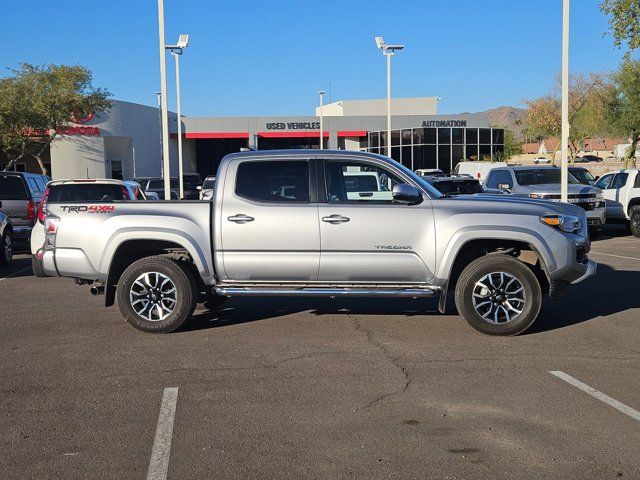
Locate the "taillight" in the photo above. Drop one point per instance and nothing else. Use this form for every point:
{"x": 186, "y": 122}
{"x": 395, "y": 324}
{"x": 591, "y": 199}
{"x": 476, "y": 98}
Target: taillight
{"x": 50, "y": 229}
{"x": 42, "y": 210}
{"x": 31, "y": 210}
{"x": 125, "y": 194}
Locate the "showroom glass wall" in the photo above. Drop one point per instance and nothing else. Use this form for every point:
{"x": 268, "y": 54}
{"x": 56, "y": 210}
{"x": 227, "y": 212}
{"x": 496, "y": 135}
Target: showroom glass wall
{"x": 439, "y": 148}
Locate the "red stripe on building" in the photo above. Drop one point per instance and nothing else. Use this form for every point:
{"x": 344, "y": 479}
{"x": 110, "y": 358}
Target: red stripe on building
{"x": 216, "y": 135}
{"x": 290, "y": 134}
{"x": 352, "y": 133}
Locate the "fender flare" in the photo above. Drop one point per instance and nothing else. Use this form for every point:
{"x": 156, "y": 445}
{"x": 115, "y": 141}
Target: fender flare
{"x": 496, "y": 232}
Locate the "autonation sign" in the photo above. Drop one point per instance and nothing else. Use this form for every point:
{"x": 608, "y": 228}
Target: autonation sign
{"x": 444, "y": 123}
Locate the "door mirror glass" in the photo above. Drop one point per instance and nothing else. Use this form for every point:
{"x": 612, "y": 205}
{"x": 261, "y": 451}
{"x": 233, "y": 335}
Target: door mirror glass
{"x": 408, "y": 194}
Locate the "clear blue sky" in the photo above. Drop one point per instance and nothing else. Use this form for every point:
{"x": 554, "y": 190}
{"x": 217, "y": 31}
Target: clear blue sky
{"x": 270, "y": 57}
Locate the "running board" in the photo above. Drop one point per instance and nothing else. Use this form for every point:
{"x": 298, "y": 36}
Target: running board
{"x": 325, "y": 292}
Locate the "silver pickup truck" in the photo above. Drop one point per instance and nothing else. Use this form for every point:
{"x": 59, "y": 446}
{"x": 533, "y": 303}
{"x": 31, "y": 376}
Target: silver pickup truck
{"x": 293, "y": 223}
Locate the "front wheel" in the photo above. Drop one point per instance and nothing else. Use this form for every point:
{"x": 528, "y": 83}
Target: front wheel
{"x": 634, "y": 223}
{"x": 498, "y": 295}
{"x": 6, "y": 248}
{"x": 157, "y": 294}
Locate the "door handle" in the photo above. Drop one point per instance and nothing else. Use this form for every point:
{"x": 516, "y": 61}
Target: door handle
{"x": 335, "y": 219}
{"x": 240, "y": 218}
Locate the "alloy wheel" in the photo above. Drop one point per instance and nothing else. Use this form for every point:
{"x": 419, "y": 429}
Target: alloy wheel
{"x": 8, "y": 248}
{"x": 153, "y": 296}
{"x": 499, "y": 297}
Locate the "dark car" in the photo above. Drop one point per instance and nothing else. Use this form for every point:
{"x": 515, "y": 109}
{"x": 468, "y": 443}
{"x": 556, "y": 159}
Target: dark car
{"x": 455, "y": 184}
{"x": 156, "y": 185}
{"x": 191, "y": 182}
{"x": 582, "y": 175}
{"x": 588, "y": 158}
{"x": 6, "y": 239}
{"x": 20, "y": 194}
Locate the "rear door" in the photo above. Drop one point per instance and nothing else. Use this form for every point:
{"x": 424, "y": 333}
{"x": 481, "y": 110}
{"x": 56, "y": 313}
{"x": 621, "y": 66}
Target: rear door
{"x": 269, "y": 221}
{"x": 15, "y": 197}
{"x": 369, "y": 238}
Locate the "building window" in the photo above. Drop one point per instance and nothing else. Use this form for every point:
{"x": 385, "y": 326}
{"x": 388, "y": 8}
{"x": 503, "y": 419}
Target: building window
{"x": 485, "y": 136}
{"x": 444, "y": 136}
{"x": 457, "y": 136}
{"x": 374, "y": 139}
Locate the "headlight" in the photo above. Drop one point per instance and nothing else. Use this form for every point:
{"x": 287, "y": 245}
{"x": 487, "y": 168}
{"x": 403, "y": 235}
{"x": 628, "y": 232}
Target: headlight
{"x": 599, "y": 195}
{"x": 565, "y": 223}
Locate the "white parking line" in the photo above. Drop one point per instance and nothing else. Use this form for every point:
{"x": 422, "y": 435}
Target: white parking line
{"x": 612, "y": 402}
{"x": 612, "y": 255}
{"x": 159, "y": 464}
{"x": 15, "y": 273}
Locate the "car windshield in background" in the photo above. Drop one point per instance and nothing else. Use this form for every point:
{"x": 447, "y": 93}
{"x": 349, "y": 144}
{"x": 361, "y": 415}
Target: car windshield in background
{"x": 540, "y": 176}
{"x": 457, "y": 187}
{"x": 583, "y": 176}
{"x": 191, "y": 181}
{"x": 12, "y": 188}
{"x": 208, "y": 183}
{"x": 361, "y": 183}
{"x": 86, "y": 192}
{"x": 159, "y": 184}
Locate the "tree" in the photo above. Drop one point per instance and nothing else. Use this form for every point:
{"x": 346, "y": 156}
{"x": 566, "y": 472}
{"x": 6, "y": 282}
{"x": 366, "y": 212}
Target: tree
{"x": 37, "y": 101}
{"x": 589, "y": 98}
{"x": 624, "y": 107}
{"x": 624, "y": 22}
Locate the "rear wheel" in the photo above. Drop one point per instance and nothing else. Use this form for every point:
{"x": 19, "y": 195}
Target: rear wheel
{"x": 634, "y": 223}
{"x": 498, "y": 295}
{"x": 157, "y": 294}
{"x": 6, "y": 248}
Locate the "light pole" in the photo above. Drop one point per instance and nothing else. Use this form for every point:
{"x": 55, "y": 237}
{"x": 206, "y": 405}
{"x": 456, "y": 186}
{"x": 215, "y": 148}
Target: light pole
{"x": 388, "y": 51}
{"x": 165, "y": 116}
{"x": 564, "y": 180}
{"x": 321, "y": 94}
{"x": 176, "y": 51}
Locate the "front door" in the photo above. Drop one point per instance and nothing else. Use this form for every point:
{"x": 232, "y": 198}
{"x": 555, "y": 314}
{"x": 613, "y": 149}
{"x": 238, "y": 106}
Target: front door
{"x": 611, "y": 185}
{"x": 269, "y": 223}
{"x": 365, "y": 236}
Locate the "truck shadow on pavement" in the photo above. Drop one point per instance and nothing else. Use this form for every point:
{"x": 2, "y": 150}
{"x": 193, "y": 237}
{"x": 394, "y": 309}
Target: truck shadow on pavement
{"x": 19, "y": 267}
{"x": 608, "y": 293}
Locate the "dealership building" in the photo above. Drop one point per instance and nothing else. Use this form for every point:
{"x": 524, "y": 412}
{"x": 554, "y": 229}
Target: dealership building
{"x": 125, "y": 141}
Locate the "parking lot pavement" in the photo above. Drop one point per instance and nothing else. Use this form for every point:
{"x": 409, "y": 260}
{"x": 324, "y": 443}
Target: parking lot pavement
{"x": 273, "y": 388}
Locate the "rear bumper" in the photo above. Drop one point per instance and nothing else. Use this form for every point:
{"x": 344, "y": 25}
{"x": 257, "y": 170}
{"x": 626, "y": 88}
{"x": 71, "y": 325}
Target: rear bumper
{"x": 69, "y": 262}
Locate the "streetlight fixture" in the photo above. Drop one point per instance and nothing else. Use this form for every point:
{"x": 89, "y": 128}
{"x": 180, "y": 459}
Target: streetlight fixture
{"x": 176, "y": 51}
{"x": 388, "y": 50}
{"x": 163, "y": 96}
{"x": 321, "y": 94}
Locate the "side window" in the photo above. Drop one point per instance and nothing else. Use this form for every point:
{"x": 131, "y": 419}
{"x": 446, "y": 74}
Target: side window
{"x": 637, "y": 184}
{"x": 358, "y": 182}
{"x": 620, "y": 180}
{"x": 33, "y": 185}
{"x": 492, "y": 179}
{"x": 273, "y": 181}
{"x": 604, "y": 182}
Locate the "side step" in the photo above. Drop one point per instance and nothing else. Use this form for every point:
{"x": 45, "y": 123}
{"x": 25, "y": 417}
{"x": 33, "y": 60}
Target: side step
{"x": 326, "y": 292}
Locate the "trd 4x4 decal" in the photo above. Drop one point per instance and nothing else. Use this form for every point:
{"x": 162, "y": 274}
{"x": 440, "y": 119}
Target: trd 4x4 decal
{"x": 88, "y": 208}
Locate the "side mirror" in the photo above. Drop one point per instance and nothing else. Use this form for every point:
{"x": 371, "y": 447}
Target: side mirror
{"x": 403, "y": 193}
{"x": 504, "y": 186}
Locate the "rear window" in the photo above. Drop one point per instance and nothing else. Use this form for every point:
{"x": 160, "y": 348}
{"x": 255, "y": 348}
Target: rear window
{"x": 159, "y": 184}
{"x": 459, "y": 187}
{"x": 86, "y": 192}
{"x": 12, "y": 188}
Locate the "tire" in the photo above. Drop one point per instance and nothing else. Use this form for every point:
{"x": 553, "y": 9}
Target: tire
{"x": 634, "y": 223}
{"x": 36, "y": 266}
{"x": 6, "y": 248}
{"x": 148, "y": 302}
{"x": 494, "y": 271}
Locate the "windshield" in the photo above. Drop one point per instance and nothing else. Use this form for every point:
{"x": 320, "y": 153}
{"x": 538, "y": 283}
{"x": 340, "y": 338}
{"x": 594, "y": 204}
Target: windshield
{"x": 208, "y": 183}
{"x": 540, "y": 176}
{"x": 457, "y": 187}
{"x": 159, "y": 184}
{"x": 583, "y": 176}
{"x": 192, "y": 181}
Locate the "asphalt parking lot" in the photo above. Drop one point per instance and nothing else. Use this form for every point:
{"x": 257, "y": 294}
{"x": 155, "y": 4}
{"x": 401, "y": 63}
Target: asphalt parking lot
{"x": 273, "y": 388}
